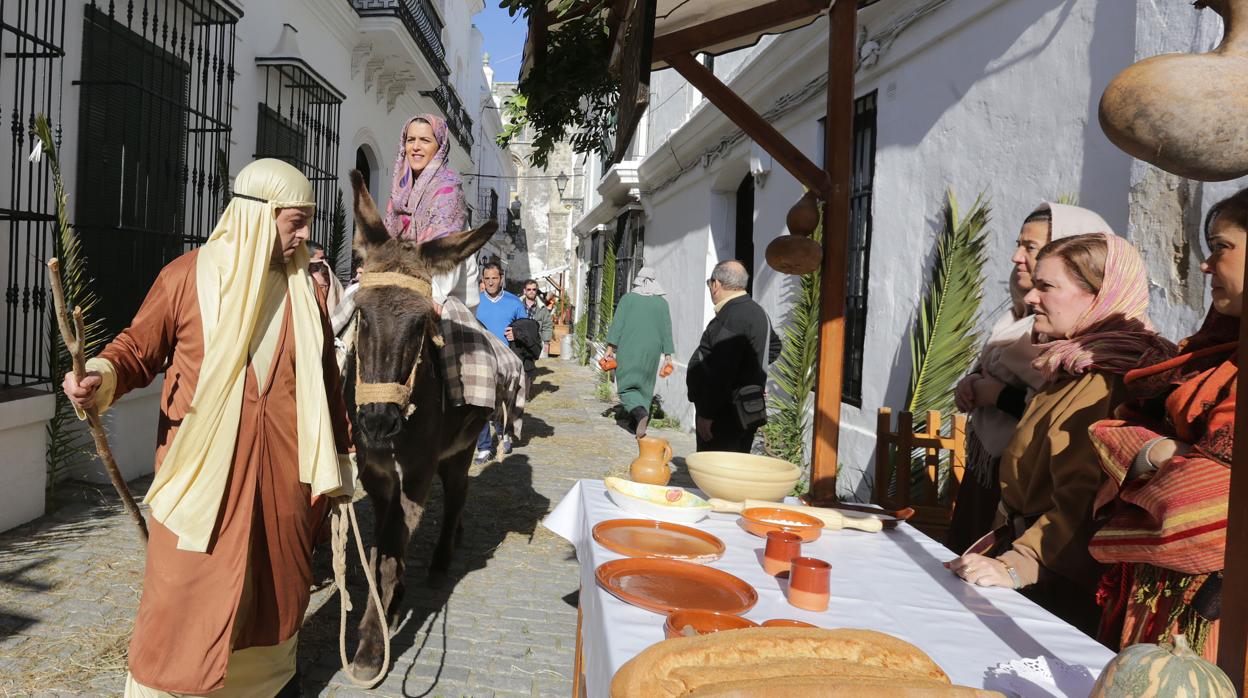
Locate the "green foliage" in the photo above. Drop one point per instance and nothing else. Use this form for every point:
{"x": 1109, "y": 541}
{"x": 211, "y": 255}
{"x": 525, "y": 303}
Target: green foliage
{"x": 580, "y": 340}
{"x": 794, "y": 371}
{"x": 337, "y": 235}
{"x": 606, "y": 296}
{"x": 569, "y": 93}
{"x": 604, "y": 390}
{"x": 945, "y": 341}
{"x": 68, "y": 445}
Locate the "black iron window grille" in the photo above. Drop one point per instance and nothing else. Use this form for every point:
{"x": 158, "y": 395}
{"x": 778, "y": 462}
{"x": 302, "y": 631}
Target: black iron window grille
{"x": 422, "y": 22}
{"x": 153, "y": 139}
{"x": 593, "y": 283}
{"x": 487, "y": 203}
{"x": 32, "y": 34}
{"x": 298, "y": 122}
{"x": 858, "y": 262}
{"x": 457, "y": 119}
{"x": 630, "y": 236}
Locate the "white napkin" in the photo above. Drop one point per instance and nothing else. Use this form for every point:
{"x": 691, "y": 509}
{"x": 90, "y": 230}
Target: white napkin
{"x": 1040, "y": 677}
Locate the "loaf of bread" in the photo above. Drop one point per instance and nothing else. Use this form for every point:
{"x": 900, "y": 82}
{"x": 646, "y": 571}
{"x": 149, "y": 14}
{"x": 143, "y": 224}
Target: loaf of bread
{"x": 747, "y": 661}
{"x": 824, "y": 687}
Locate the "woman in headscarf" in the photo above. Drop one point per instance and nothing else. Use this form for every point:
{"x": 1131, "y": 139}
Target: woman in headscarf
{"x": 640, "y": 332}
{"x": 1168, "y": 467}
{"x": 1090, "y": 300}
{"x": 996, "y": 391}
{"x": 427, "y": 200}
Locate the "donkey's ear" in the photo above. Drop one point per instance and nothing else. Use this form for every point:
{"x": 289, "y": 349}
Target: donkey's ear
{"x": 443, "y": 254}
{"x": 369, "y": 230}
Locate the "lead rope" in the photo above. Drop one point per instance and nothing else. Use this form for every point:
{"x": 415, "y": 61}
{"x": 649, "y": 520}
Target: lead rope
{"x": 344, "y": 518}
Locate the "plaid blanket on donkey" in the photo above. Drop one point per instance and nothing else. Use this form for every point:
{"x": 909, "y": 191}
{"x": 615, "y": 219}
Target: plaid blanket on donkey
{"x": 480, "y": 369}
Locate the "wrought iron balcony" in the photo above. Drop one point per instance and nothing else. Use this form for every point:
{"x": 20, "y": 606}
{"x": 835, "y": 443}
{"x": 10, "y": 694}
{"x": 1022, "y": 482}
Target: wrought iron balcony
{"x": 422, "y": 23}
{"x": 457, "y": 119}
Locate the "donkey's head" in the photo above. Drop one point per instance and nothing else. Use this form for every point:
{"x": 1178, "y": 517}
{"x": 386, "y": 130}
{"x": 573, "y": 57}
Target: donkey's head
{"x": 398, "y": 319}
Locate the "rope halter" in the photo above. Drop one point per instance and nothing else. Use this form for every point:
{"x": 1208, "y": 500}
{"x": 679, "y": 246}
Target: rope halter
{"x": 393, "y": 393}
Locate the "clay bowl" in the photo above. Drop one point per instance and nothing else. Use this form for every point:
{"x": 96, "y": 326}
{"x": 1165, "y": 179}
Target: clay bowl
{"x": 787, "y": 623}
{"x": 740, "y": 476}
{"x": 703, "y": 622}
{"x": 760, "y": 520}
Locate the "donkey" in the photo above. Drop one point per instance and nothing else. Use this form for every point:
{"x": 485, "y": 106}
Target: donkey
{"x": 404, "y": 428}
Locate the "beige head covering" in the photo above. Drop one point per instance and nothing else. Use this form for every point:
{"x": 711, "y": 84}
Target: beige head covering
{"x": 230, "y": 271}
{"x": 1069, "y": 221}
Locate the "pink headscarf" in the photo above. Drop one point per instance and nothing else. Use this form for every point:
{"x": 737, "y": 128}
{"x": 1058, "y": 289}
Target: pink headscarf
{"x": 1114, "y": 335}
{"x": 433, "y": 205}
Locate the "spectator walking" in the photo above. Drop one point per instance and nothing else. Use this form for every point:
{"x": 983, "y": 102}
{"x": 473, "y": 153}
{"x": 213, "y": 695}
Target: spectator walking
{"x": 727, "y": 372}
{"x": 640, "y": 333}
{"x": 328, "y": 287}
{"x": 496, "y": 311}
{"x": 536, "y": 310}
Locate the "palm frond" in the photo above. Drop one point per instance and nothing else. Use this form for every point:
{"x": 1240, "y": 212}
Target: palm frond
{"x": 337, "y": 235}
{"x": 945, "y": 337}
{"x": 1069, "y": 198}
{"x": 794, "y": 371}
{"x": 606, "y": 297}
{"x": 67, "y": 443}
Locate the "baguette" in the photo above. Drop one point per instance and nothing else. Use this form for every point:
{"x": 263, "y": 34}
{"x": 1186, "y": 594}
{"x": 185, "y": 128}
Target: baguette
{"x": 824, "y": 687}
{"x": 679, "y": 666}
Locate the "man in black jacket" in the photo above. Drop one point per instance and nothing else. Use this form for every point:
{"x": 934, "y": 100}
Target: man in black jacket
{"x": 729, "y": 357}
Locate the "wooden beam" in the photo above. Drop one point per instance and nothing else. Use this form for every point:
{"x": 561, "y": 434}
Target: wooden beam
{"x": 734, "y": 26}
{"x": 748, "y": 120}
{"x": 1233, "y": 633}
{"x": 838, "y": 159}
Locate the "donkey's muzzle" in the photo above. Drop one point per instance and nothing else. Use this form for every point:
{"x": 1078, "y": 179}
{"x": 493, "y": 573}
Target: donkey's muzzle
{"x": 379, "y": 423}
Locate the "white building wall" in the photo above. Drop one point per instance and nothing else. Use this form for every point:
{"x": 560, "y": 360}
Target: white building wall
{"x": 985, "y": 96}
{"x": 373, "y": 62}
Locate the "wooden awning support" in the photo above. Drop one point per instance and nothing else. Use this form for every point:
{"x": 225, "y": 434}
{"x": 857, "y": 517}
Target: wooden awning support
{"x": 723, "y": 29}
{"x": 1233, "y": 633}
{"x": 838, "y": 159}
{"x": 748, "y": 120}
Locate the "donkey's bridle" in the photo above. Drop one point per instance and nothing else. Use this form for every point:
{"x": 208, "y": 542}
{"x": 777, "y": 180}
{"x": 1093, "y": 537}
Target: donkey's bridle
{"x": 393, "y": 393}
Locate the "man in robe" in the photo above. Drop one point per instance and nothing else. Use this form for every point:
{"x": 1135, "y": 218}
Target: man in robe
{"x": 250, "y": 450}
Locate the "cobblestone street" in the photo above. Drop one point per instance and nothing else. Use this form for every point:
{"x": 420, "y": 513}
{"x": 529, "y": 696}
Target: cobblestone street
{"x": 505, "y": 624}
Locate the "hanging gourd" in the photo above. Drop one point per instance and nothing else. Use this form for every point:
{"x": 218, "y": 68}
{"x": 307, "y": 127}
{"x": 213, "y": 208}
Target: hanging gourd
{"x": 1183, "y": 112}
{"x": 797, "y": 253}
{"x": 1152, "y": 671}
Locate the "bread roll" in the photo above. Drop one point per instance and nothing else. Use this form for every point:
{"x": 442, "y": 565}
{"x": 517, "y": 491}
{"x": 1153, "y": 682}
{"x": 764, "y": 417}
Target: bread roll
{"x": 679, "y": 666}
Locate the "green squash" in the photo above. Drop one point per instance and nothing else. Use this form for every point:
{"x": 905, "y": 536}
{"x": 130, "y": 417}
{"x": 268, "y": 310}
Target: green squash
{"x": 1152, "y": 671}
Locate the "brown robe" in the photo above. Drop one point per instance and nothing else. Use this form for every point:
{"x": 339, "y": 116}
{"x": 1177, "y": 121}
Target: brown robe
{"x": 193, "y": 603}
{"x": 1049, "y": 477}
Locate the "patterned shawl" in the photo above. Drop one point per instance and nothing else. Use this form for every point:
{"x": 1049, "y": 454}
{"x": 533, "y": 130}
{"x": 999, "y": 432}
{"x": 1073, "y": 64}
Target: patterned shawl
{"x": 1114, "y": 334}
{"x": 433, "y": 205}
{"x": 1175, "y": 518}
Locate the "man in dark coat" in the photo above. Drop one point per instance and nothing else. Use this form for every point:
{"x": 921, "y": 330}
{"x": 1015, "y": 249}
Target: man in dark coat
{"x": 729, "y": 357}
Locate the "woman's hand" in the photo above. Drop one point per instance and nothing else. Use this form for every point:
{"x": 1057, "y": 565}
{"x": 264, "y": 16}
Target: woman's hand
{"x": 610, "y": 351}
{"x": 986, "y": 391}
{"x": 1164, "y": 450}
{"x": 981, "y": 571}
{"x": 964, "y": 394}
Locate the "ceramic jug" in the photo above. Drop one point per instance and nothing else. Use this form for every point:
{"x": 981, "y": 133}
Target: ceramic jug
{"x": 650, "y": 467}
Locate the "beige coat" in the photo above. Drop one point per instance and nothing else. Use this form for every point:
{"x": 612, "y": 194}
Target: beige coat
{"x": 1050, "y": 471}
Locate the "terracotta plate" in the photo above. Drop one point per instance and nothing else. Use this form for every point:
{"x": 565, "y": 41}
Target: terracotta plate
{"x": 664, "y": 586}
{"x": 649, "y": 538}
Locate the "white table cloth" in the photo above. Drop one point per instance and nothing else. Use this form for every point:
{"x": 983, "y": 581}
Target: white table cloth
{"x": 892, "y": 581}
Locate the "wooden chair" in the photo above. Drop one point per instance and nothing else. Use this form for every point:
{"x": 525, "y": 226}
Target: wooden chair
{"x": 932, "y": 497}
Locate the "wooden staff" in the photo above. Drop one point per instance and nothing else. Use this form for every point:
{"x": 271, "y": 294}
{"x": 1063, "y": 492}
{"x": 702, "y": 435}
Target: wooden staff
{"x": 73, "y": 342}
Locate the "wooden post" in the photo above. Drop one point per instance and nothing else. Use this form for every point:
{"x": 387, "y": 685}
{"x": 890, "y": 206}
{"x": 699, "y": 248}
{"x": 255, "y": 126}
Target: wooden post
{"x": 838, "y": 162}
{"x": 1233, "y": 633}
{"x": 883, "y": 453}
{"x": 931, "y": 459}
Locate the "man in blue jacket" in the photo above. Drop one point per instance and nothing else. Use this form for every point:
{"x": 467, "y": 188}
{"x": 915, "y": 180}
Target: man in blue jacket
{"x": 496, "y": 311}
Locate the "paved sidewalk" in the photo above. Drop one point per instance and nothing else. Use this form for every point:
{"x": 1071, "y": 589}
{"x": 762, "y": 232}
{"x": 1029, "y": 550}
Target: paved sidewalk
{"x": 504, "y": 626}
